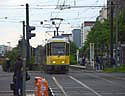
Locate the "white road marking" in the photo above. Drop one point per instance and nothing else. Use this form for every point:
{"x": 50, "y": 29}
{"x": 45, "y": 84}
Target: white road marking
{"x": 109, "y": 81}
{"x": 84, "y": 85}
{"x": 61, "y": 88}
{"x": 115, "y": 77}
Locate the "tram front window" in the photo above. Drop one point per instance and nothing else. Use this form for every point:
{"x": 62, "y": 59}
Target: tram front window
{"x": 58, "y": 49}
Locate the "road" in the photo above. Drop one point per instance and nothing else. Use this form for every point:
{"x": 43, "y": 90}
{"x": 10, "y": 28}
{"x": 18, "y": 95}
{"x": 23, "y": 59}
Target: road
{"x": 75, "y": 83}
{"x": 82, "y": 83}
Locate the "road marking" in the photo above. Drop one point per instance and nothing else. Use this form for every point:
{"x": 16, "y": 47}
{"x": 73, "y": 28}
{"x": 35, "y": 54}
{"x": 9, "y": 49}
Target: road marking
{"x": 105, "y": 79}
{"x": 120, "y": 78}
{"x": 84, "y": 85}
{"x": 61, "y": 88}
{"x": 109, "y": 81}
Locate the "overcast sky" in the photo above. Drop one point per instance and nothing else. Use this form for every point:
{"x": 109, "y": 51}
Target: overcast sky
{"x": 12, "y": 13}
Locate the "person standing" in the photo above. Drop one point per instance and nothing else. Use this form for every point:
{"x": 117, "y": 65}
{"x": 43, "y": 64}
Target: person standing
{"x": 18, "y": 76}
{"x": 97, "y": 63}
{"x": 83, "y": 61}
{"x": 8, "y": 64}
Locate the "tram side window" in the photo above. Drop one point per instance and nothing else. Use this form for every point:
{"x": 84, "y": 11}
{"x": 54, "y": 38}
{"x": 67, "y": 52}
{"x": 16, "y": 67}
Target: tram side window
{"x": 48, "y": 49}
{"x": 67, "y": 49}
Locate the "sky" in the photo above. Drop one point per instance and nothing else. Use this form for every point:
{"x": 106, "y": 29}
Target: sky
{"x": 12, "y": 13}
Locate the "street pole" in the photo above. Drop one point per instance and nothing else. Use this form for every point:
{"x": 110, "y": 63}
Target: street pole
{"x": 117, "y": 32}
{"x": 27, "y": 40}
{"x": 111, "y": 34}
{"x": 92, "y": 55}
{"x": 24, "y": 62}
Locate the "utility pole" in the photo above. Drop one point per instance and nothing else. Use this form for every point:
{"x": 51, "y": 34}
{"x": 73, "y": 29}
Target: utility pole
{"x": 27, "y": 40}
{"x": 24, "y": 61}
{"x": 116, "y": 32}
{"x": 111, "y": 33}
{"x": 29, "y": 35}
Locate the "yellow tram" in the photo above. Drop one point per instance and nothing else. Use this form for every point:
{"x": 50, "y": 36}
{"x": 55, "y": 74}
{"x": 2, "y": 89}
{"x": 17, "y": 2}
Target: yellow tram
{"x": 57, "y": 55}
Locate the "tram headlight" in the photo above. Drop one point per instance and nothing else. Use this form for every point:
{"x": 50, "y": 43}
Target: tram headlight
{"x": 54, "y": 62}
{"x": 63, "y": 62}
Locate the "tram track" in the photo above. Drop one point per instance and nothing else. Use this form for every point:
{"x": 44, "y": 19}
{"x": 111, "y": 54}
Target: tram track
{"x": 85, "y": 83}
{"x": 60, "y": 87}
{"x": 74, "y": 87}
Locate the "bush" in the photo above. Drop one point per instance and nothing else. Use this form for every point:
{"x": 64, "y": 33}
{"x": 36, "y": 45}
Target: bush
{"x": 119, "y": 69}
{"x": 72, "y": 60}
{"x": 4, "y": 65}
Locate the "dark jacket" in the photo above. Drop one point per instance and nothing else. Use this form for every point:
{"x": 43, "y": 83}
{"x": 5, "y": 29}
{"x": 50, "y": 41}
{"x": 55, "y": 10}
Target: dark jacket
{"x": 18, "y": 68}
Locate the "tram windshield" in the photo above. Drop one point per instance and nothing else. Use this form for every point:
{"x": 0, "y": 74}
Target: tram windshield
{"x": 58, "y": 48}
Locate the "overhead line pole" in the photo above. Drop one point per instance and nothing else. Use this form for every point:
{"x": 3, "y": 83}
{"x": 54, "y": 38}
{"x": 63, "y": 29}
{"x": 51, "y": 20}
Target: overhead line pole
{"x": 111, "y": 34}
{"x": 117, "y": 31}
{"x": 24, "y": 62}
{"x": 27, "y": 40}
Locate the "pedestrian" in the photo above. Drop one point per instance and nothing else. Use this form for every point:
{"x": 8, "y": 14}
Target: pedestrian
{"x": 101, "y": 63}
{"x": 83, "y": 61}
{"x": 113, "y": 62}
{"x": 97, "y": 63}
{"x": 8, "y": 64}
{"x": 80, "y": 61}
{"x": 18, "y": 76}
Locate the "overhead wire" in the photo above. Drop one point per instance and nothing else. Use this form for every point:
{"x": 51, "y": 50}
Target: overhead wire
{"x": 22, "y": 7}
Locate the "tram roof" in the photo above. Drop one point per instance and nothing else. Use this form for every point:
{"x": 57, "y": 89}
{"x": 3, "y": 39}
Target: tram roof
{"x": 58, "y": 39}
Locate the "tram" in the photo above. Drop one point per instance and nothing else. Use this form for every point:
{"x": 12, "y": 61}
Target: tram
{"x": 57, "y": 55}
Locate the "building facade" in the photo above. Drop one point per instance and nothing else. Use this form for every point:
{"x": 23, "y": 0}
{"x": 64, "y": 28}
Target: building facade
{"x": 85, "y": 28}
{"x": 4, "y": 49}
{"x": 76, "y": 33}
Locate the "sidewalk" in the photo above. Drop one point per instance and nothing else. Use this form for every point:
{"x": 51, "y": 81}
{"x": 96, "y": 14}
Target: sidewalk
{"x": 10, "y": 93}
{"x": 6, "y": 79}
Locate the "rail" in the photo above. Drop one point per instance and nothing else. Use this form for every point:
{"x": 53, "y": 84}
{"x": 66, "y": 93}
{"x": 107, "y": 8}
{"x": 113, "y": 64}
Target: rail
{"x": 50, "y": 91}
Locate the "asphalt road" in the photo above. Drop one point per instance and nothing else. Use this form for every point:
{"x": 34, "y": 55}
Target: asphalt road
{"x": 75, "y": 83}
{"x": 85, "y": 83}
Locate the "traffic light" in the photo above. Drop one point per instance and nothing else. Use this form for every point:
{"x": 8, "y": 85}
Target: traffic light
{"x": 29, "y": 34}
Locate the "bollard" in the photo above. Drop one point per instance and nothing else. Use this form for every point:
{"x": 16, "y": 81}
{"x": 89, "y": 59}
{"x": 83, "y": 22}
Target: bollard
{"x": 37, "y": 86}
{"x": 41, "y": 86}
{"x": 44, "y": 87}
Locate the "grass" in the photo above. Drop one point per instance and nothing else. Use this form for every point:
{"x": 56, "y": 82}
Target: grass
{"x": 119, "y": 69}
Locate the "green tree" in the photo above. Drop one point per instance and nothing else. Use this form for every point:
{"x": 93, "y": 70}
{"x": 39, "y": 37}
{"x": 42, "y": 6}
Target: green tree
{"x": 12, "y": 56}
{"x": 122, "y": 27}
{"x": 99, "y": 35}
{"x": 73, "y": 49}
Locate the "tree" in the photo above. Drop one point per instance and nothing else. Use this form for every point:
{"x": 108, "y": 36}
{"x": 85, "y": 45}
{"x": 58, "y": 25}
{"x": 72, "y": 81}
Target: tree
{"x": 73, "y": 49}
{"x": 99, "y": 35}
{"x": 122, "y": 27}
{"x": 12, "y": 56}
